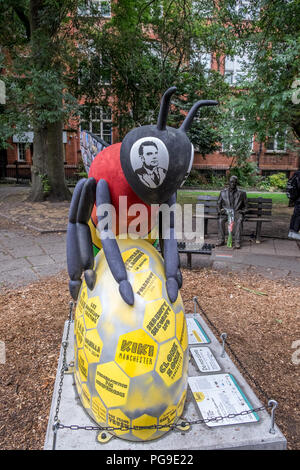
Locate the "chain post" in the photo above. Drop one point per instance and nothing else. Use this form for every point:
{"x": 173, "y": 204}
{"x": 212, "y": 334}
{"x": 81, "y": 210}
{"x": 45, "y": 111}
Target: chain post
{"x": 274, "y": 405}
{"x": 223, "y": 338}
{"x": 195, "y": 305}
{"x": 55, "y": 428}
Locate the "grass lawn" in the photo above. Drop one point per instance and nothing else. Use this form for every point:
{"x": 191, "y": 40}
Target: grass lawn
{"x": 189, "y": 197}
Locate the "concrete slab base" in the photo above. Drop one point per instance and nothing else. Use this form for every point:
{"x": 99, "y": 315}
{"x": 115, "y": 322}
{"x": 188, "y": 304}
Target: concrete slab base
{"x": 250, "y": 436}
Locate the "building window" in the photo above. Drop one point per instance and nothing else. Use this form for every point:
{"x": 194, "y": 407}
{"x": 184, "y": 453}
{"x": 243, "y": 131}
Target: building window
{"x": 93, "y": 67}
{"x": 21, "y": 152}
{"x": 200, "y": 56}
{"x": 244, "y": 9}
{"x": 97, "y": 120}
{"x": 235, "y": 68}
{"x": 96, "y": 7}
{"x": 228, "y": 146}
{"x": 204, "y": 8}
{"x": 277, "y": 143}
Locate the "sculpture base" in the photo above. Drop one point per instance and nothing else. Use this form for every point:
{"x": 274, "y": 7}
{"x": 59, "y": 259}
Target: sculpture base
{"x": 211, "y": 436}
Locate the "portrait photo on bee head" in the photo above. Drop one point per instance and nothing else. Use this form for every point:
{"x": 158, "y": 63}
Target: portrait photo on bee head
{"x": 149, "y": 159}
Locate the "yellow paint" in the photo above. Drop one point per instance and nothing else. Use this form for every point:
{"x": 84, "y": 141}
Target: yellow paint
{"x": 168, "y": 417}
{"x": 85, "y": 397}
{"x": 92, "y": 312}
{"x": 92, "y": 346}
{"x": 79, "y": 332}
{"x": 180, "y": 404}
{"x": 136, "y": 353}
{"x": 78, "y": 382}
{"x": 82, "y": 366}
{"x": 159, "y": 320}
{"x": 111, "y": 384}
{"x": 81, "y": 301}
{"x": 99, "y": 410}
{"x": 95, "y": 235}
{"x": 118, "y": 419}
{"x": 135, "y": 260}
{"x": 199, "y": 396}
{"x": 147, "y": 285}
{"x": 170, "y": 362}
{"x": 143, "y": 343}
{"x": 181, "y": 330}
{"x": 197, "y": 336}
{"x": 144, "y": 420}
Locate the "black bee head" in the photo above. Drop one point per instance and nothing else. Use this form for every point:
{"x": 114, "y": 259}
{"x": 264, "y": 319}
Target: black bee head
{"x": 156, "y": 160}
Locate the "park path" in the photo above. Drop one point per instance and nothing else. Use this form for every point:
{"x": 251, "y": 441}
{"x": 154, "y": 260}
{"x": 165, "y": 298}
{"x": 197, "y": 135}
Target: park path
{"x": 28, "y": 255}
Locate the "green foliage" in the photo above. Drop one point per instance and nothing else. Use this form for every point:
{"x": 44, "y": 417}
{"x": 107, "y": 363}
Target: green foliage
{"x": 246, "y": 173}
{"x": 271, "y": 64}
{"x": 278, "y": 181}
{"x": 46, "y": 185}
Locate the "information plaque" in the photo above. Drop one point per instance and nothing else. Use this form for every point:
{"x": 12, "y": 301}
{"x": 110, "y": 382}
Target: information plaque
{"x": 220, "y": 395}
{"x": 205, "y": 360}
{"x": 196, "y": 334}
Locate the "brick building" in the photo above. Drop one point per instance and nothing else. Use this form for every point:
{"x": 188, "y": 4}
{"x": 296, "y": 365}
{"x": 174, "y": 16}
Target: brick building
{"x": 275, "y": 157}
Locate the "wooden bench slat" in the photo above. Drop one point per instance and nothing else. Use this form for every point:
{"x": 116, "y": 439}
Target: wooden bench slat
{"x": 208, "y": 198}
{"x": 263, "y": 212}
{"x": 259, "y": 210}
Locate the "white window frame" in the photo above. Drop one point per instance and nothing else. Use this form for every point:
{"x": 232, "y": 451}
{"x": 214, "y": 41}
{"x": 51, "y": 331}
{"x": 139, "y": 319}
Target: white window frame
{"x": 102, "y": 120}
{"x": 87, "y": 11}
{"x": 230, "y": 145}
{"x": 233, "y": 68}
{"x": 202, "y": 56}
{"x": 196, "y": 10}
{"x": 240, "y": 5}
{"x": 21, "y": 145}
{"x": 275, "y": 144}
{"x": 89, "y": 51}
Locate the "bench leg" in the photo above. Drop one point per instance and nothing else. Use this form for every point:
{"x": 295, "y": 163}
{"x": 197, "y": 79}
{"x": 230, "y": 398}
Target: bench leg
{"x": 205, "y": 226}
{"x": 189, "y": 260}
{"x": 258, "y": 232}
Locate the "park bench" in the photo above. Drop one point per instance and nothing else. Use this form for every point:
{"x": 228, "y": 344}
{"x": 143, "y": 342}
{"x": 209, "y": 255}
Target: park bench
{"x": 259, "y": 211}
{"x": 190, "y": 248}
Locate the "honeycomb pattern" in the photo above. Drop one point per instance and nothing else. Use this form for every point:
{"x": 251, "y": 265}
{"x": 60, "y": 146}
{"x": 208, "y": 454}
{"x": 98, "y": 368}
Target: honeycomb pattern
{"x": 124, "y": 354}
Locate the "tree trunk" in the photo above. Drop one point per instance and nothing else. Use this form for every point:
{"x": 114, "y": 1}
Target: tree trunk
{"x": 38, "y": 169}
{"x": 48, "y": 179}
{"x": 58, "y": 190}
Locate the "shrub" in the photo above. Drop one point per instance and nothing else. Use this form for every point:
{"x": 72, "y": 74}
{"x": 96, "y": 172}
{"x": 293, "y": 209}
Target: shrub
{"x": 278, "y": 181}
{"x": 246, "y": 173}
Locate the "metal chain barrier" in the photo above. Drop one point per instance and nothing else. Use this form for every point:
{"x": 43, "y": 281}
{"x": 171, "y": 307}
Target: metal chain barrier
{"x": 175, "y": 426}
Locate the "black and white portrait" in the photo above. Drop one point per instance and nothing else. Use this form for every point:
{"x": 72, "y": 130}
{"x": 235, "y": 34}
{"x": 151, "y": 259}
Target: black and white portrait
{"x": 150, "y": 160}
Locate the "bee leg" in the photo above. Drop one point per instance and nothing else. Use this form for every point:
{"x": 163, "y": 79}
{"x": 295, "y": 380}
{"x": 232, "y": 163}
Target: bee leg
{"x": 79, "y": 246}
{"x": 171, "y": 256}
{"x": 109, "y": 243}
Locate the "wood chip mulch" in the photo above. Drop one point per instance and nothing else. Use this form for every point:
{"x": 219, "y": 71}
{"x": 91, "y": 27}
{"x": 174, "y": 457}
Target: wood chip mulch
{"x": 263, "y": 330}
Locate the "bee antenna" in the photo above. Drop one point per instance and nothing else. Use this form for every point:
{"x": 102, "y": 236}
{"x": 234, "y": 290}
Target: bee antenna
{"x": 164, "y": 108}
{"x": 192, "y": 112}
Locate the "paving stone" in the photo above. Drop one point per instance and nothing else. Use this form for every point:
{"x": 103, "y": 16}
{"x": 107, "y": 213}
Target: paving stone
{"x": 5, "y": 256}
{"x": 17, "y": 277}
{"x": 49, "y": 270}
{"x": 14, "y": 264}
{"x": 27, "y": 250}
{"x": 59, "y": 258}
{"x": 41, "y": 260}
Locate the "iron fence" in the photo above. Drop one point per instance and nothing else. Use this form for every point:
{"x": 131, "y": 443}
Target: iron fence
{"x": 20, "y": 173}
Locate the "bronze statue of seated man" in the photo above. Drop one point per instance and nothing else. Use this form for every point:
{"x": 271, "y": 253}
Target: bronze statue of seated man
{"x": 236, "y": 200}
